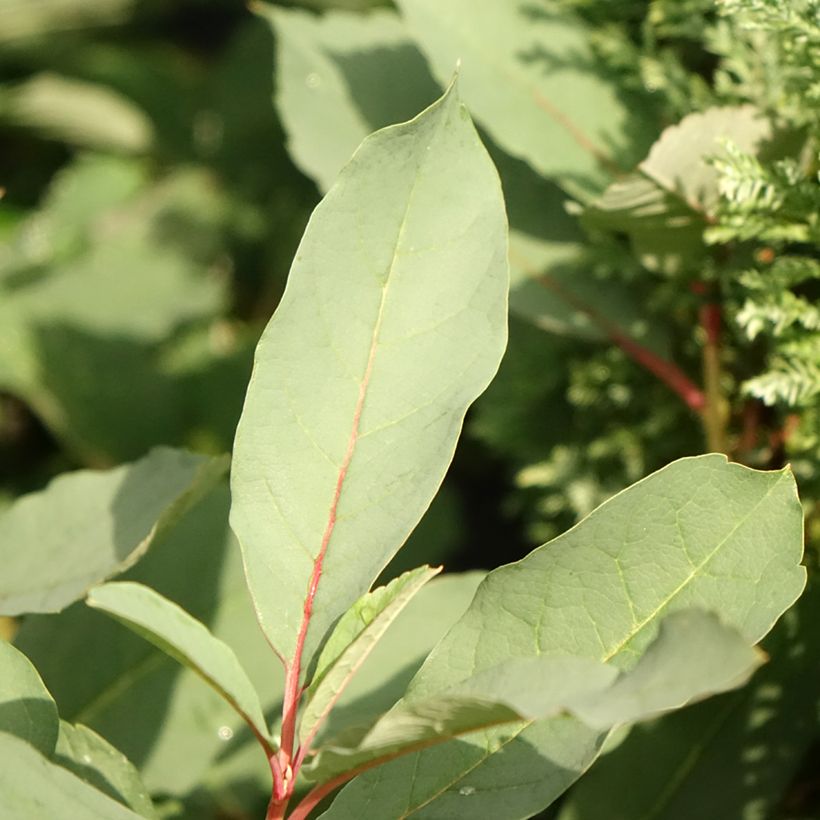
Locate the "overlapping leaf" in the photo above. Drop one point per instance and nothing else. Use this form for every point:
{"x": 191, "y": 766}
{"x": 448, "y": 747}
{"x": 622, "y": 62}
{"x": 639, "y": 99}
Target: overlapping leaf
{"x": 532, "y": 80}
{"x": 107, "y": 520}
{"x": 700, "y": 532}
{"x": 31, "y": 787}
{"x": 27, "y": 710}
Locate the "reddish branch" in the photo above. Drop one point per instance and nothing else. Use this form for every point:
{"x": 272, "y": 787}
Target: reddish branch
{"x": 668, "y": 372}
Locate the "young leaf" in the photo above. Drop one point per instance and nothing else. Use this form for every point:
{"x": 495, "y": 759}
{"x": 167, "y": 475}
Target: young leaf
{"x": 94, "y": 760}
{"x": 393, "y": 321}
{"x": 107, "y": 522}
{"x": 351, "y": 641}
{"x": 185, "y": 639}
{"x": 27, "y": 709}
{"x": 32, "y": 788}
{"x": 701, "y": 532}
{"x": 533, "y": 83}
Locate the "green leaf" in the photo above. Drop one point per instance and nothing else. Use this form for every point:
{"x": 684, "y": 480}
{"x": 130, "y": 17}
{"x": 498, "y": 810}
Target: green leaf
{"x": 94, "y": 760}
{"x": 353, "y": 638}
{"x": 699, "y": 533}
{"x": 392, "y": 323}
{"x": 665, "y": 206}
{"x": 530, "y": 77}
{"x": 22, "y": 19}
{"x": 77, "y": 112}
{"x": 185, "y": 639}
{"x": 324, "y": 73}
{"x": 693, "y": 656}
{"x": 386, "y": 672}
{"x": 32, "y": 788}
{"x": 155, "y": 711}
{"x": 27, "y": 709}
{"x": 107, "y": 521}
{"x": 358, "y": 72}
{"x": 743, "y": 749}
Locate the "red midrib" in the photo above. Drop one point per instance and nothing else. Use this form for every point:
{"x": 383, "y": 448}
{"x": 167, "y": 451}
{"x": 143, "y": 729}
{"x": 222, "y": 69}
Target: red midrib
{"x": 292, "y": 691}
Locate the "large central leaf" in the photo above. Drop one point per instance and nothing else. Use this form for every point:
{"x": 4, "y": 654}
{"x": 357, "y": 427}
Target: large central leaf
{"x": 393, "y": 321}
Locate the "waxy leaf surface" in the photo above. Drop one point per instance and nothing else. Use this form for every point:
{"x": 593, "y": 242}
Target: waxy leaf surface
{"x": 27, "y": 709}
{"x": 700, "y": 533}
{"x": 185, "y": 639}
{"x": 392, "y": 322}
{"x": 87, "y": 526}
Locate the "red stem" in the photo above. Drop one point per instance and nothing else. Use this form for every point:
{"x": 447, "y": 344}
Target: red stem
{"x": 668, "y": 372}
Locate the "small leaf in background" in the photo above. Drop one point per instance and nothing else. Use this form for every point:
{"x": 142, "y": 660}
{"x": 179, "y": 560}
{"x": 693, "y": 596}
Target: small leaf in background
{"x": 107, "y": 520}
{"x": 98, "y": 763}
{"x": 531, "y": 79}
{"x": 32, "y": 788}
{"x": 185, "y": 639}
{"x": 666, "y": 204}
{"x": 351, "y": 641}
{"x": 27, "y": 710}
{"x": 699, "y": 533}
{"x": 83, "y": 114}
{"x": 332, "y": 472}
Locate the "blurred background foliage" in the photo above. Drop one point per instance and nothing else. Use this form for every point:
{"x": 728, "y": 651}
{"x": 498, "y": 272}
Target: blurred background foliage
{"x": 154, "y": 195}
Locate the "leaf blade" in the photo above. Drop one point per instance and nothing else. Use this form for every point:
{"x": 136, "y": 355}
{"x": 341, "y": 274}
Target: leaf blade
{"x": 109, "y": 520}
{"x": 363, "y": 446}
{"x": 184, "y": 638}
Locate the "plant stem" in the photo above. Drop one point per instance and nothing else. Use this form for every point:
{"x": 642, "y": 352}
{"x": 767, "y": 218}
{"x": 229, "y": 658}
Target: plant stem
{"x": 668, "y": 372}
{"x": 715, "y": 408}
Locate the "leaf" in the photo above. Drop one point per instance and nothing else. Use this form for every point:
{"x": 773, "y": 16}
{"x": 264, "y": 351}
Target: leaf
{"x": 666, "y": 204}
{"x": 324, "y": 72}
{"x": 358, "y": 72}
{"x": 386, "y": 672}
{"x": 98, "y": 763}
{"x": 185, "y": 639}
{"x": 27, "y": 710}
{"x": 391, "y": 324}
{"x": 701, "y": 532}
{"x": 158, "y": 713}
{"x": 80, "y": 113}
{"x": 32, "y": 788}
{"x": 107, "y": 521}
{"x": 84, "y": 299}
{"x": 743, "y": 749}
{"x": 351, "y": 641}
{"x": 23, "y": 19}
{"x": 531, "y": 79}
{"x": 693, "y": 656}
